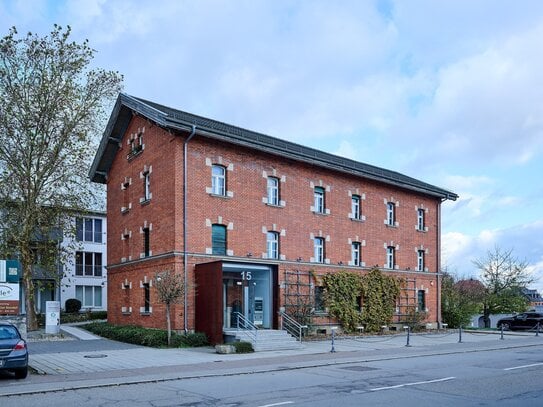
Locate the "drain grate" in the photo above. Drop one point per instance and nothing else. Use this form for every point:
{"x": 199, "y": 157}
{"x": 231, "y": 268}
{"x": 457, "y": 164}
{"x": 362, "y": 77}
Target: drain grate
{"x": 98, "y": 356}
{"x": 359, "y": 368}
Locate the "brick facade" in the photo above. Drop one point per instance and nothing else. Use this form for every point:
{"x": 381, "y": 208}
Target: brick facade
{"x": 244, "y": 211}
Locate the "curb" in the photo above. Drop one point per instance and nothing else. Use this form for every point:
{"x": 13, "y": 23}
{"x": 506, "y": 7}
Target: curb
{"x": 97, "y": 383}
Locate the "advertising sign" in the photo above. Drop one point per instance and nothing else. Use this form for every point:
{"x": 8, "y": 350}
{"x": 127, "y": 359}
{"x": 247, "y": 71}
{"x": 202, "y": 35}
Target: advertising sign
{"x": 9, "y": 299}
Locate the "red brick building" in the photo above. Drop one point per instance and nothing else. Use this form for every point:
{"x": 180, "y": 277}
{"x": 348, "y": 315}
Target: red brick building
{"x": 250, "y": 221}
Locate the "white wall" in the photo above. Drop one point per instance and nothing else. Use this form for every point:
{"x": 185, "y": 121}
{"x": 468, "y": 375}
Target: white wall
{"x": 71, "y": 280}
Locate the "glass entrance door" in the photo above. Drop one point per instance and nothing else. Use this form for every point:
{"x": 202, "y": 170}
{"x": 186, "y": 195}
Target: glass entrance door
{"x": 247, "y": 292}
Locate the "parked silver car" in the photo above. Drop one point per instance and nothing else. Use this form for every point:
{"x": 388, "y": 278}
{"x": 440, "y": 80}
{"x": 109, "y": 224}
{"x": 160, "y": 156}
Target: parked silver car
{"x": 13, "y": 351}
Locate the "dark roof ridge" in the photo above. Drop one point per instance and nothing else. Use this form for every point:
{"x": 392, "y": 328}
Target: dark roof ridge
{"x": 370, "y": 169}
{"x": 178, "y": 119}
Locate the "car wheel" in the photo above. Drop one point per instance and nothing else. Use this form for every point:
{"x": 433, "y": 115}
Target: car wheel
{"x": 21, "y": 373}
{"x": 505, "y": 326}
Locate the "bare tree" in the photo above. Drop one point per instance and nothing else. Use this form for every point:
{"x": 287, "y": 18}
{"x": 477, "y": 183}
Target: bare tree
{"x": 52, "y": 106}
{"x": 503, "y": 276}
{"x": 170, "y": 289}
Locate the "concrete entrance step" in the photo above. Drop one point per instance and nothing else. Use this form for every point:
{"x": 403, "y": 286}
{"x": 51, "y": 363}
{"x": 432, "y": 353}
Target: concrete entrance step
{"x": 266, "y": 339}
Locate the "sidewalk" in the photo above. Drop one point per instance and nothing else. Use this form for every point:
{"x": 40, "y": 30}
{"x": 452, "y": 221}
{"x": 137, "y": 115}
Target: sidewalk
{"x": 73, "y": 370}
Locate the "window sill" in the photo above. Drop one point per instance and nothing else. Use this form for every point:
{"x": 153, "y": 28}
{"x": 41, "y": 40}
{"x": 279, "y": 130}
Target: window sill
{"x": 144, "y": 201}
{"x": 321, "y": 213}
{"x": 274, "y": 205}
{"x": 126, "y": 313}
{"x": 361, "y": 220}
{"x": 220, "y": 196}
{"x": 134, "y": 154}
{"x": 392, "y": 226}
{"x": 146, "y": 314}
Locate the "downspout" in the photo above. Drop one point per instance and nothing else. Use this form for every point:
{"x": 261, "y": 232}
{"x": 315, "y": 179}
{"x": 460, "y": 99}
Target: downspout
{"x": 185, "y": 262}
{"x": 438, "y": 271}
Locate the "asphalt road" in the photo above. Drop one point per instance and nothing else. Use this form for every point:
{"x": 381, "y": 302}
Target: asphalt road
{"x": 505, "y": 377}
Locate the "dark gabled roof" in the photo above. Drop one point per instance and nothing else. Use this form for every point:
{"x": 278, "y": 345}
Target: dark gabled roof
{"x": 169, "y": 118}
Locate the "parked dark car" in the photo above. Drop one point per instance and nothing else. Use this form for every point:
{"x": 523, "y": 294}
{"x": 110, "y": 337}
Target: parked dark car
{"x": 526, "y": 320}
{"x": 13, "y": 351}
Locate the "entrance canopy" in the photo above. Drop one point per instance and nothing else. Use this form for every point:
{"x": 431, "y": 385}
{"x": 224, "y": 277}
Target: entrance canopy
{"x": 228, "y": 292}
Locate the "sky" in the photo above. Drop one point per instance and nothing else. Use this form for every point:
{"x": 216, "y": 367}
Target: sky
{"x": 449, "y": 92}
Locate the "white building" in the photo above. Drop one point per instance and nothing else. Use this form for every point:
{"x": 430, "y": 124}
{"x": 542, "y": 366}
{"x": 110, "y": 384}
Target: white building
{"x": 84, "y": 274}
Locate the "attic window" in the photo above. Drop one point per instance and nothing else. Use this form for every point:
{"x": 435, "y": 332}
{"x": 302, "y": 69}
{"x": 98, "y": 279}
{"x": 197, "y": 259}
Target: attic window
{"x": 135, "y": 144}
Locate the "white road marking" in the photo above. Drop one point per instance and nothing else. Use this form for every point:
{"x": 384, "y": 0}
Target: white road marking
{"x": 413, "y": 384}
{"x": 278, "y": 404}
{"x": 522, "y": 367}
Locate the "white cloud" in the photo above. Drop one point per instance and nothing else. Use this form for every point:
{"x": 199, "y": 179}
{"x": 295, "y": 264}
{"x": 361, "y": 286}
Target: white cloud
{"x": 459, "y": 249}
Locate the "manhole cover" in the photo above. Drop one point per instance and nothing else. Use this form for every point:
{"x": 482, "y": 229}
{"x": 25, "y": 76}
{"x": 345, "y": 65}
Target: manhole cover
{"x": 359, "y": 368}
{"x": 95, "y": 356}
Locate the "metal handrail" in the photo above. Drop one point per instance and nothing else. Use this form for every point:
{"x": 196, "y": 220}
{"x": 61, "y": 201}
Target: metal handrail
{"x": 292, "y": 326}
{"x": 246, "y": 325}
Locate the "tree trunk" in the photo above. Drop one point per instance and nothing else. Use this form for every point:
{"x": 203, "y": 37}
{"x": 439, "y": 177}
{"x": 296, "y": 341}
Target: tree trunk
{"x": 486, "y": 316}
{"x": 28, "y": 285}
{"x": 168, "y": 321}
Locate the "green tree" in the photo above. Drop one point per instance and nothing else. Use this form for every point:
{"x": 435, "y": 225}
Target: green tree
{"x": 503, "y": 276}
{"x": 52, "y": 106}
{"x": 460, "y": 300}
{"x": 170, "y": 289}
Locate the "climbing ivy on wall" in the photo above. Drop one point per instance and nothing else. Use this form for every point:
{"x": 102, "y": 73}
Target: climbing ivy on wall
{"x": 378, "y": 291}
{"x": 379, "y": 299}
{"x": 341, "y": 291}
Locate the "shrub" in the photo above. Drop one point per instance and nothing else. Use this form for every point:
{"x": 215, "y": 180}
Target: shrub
{"x": 72, "y": 305}
{"x": 243, "y": 347}
{"x": 145, "y": 336}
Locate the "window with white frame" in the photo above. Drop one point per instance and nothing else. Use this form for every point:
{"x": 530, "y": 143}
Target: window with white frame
{"x": 391, "y": 213}
{"x": 420, "y": 260}
{"x": 319, "y": 199}
{"x": 218, "y": 180}
{"x": 146, "y": 186}
{"x": 391, "y": 251}
{"x": 355, "y": 207}
{"x": 88, "y": 264}
{"x": 420, "y": 219}
{"x": 89, "y": 295}
{"x": 319, "y": 249}
{"x": 273, "y": 191}
{"x": 272, "y": 245}
{"x": 355, "y": 253}
{"x": 88, "y": 230}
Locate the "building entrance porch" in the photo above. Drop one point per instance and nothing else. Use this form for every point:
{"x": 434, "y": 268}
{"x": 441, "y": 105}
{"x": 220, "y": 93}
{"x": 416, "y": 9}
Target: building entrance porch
{"x": 233, "y": 295}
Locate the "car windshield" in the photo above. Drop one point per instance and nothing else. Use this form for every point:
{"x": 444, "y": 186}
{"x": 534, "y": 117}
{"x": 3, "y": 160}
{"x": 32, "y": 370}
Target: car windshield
{"x": 8, "y": 332}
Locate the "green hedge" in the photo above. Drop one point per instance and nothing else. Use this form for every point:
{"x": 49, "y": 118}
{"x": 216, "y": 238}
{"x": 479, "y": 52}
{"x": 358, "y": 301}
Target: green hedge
{"x": 68, "y": 318}
{"x": 243, "y": 347}
{"x": 137, "y": 335}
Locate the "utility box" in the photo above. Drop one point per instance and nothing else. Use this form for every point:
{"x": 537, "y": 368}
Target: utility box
{"x": 52, "y": 317}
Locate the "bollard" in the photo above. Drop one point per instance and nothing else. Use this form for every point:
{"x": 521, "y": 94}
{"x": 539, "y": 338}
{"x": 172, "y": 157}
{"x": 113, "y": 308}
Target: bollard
{"x": 460, "y": 334}
{"x": 537, "y": 330}
{"x": 501, "y": 333}
{"x": 333, "y": 337}
{"x": 408, "y": 335}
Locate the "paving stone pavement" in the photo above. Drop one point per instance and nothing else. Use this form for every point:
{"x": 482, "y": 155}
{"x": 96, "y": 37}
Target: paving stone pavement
{"x": 91, "y": 354}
